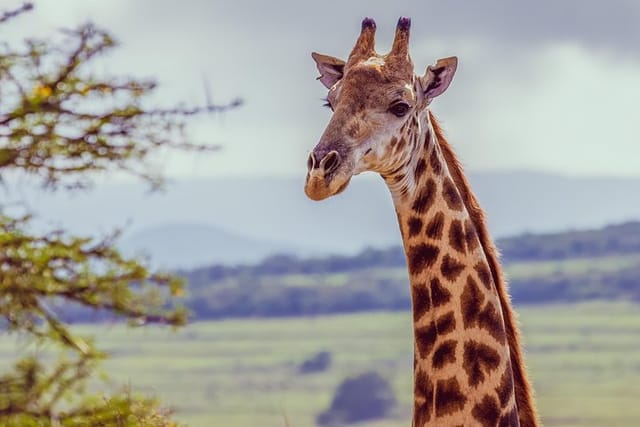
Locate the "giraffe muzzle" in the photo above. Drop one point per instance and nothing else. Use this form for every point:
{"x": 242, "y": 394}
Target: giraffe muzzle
{"x": 325, "y": 177}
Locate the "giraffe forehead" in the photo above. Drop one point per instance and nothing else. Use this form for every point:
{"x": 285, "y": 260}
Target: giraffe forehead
{"x": 375, "y": 69}
{"x": 369, "y": 82}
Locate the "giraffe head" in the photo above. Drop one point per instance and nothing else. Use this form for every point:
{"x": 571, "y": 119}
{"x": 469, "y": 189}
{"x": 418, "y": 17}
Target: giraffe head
{"x": 375, "y": 99}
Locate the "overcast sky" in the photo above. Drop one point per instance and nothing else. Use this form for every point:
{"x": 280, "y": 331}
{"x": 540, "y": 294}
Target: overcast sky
{"x": 545, "y": 85}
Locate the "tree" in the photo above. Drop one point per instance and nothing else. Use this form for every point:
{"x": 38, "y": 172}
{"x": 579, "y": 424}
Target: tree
{"x": 319, "y": 362}
{"x": 61, "y": 125}
{"x": 367, "y": 396}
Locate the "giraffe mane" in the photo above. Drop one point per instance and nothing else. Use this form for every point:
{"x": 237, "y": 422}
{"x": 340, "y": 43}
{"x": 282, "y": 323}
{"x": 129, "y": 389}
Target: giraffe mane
{"x": 523, "y": 389}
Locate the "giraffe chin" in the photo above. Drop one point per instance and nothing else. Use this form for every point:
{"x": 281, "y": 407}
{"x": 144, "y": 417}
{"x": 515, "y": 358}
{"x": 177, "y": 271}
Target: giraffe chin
{"x": 319, "y": 188}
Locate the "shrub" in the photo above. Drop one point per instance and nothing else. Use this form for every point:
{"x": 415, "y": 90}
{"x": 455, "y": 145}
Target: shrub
{"x": 319, "y": 362}
{"x": 366, "y": 397}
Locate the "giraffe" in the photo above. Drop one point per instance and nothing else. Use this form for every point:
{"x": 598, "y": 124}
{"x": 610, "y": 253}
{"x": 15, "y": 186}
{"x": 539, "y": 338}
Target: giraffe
{"x": 468, "y": 364}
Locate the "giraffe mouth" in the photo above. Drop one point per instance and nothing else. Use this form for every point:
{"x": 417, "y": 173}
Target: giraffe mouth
{"x": 319, "y": 186}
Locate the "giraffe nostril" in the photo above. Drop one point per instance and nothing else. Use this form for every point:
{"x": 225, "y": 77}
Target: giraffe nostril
{"x": 311, "y": 162}
{"x": 330, "y": 162}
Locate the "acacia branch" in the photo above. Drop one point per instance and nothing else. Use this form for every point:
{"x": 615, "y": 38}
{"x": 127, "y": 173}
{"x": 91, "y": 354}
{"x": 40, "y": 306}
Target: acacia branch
{"x": 35, "y": 270}
{"x": 6, "y": 16}
{"x": 64, "y": 124}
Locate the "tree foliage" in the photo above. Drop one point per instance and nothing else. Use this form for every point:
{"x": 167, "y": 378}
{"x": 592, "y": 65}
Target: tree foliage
{"x": 365, "y": 397}
{"x": 319, "y": 362}
{"x": 61, "y": 124}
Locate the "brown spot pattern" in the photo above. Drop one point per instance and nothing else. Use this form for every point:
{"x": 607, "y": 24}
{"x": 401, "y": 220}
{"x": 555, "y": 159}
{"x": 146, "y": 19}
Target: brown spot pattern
{"x": 426, "y": 198}
{"x": 471, "y": 236}
{"x": 471, "y": 302}
{"x": 505, "y": 388}
{"x": 489, "y": 319}
{"x": 439, "y": 294}
{"x": 451, "y": 195}
{"x": 421, "y": 413}
{"x": 457, "y": 238}
{"x": 435, "y": 227}
{"x": 415, "y": 226}
{"x": 445, "y": 353}
{"x": 421, "y": 256}
{"x": 484, "y": 274}
{"x": 446, "y": 323}
{"x": 425, "y": 339}
{"x": 451, "y": 268}
{"x": 486, "y": 318}
{"x": 436, "y": 163}
{"x": 421, "y": 166}
{"x": 423, "y": 388}
{"x": 421, "y": 301}
{"x": 426, "y": 336}
{"x": 427, "y": 137}
{"x": 479, "y": 360}
{"x": 510, "y": 419}
{"x": 449, "y": 397}
{"x": 487, "y": 412}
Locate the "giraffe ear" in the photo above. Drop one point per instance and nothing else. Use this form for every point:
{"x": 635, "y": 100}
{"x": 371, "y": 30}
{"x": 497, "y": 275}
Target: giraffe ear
{"x": 438, "y": 77}
{"x": 331, "y": 69}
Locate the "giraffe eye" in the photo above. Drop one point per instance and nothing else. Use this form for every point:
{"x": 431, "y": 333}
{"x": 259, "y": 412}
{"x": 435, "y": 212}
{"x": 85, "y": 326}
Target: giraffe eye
{"x": 400, "y": 109}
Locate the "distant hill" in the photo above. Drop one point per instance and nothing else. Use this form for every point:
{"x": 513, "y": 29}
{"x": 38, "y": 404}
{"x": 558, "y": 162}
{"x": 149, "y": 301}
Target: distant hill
{"x": 601, "y": 264}
{"x": 562, "y": 267}
{"x": 276, "y": 210}
{"x": 194, "y": 245}
{"x": 612, "y": 240}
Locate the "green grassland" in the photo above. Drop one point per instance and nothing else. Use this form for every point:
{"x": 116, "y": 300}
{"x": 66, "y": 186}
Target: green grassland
{"x": 584, "y": 360}
{"x": 582, "y": 335}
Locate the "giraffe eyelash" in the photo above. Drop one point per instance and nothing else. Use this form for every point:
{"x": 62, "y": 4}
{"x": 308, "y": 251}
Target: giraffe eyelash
{"x": 327, "y": 103}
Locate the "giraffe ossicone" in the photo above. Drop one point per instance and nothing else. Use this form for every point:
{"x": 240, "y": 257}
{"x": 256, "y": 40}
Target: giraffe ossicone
{"x": 468, "y": 364}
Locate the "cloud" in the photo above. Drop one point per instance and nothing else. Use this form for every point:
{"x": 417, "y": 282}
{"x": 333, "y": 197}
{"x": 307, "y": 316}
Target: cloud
{"x": 560, "y": 107}
{"x": 545, "y": 85}
{"x": 522, "y": 24}
{"x": 330, "y": 23}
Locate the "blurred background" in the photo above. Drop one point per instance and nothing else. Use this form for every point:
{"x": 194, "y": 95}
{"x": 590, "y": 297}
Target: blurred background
{"x": 290, "y": 298}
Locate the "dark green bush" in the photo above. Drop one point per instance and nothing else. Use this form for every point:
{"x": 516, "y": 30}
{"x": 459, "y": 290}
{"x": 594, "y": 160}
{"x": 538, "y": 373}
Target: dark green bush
{"x": 366, "y": 397}
{"x": 319, "y": 362}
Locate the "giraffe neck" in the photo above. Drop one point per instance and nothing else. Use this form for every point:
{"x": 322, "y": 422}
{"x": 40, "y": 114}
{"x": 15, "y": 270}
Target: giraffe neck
{"x": 462, "y": 363}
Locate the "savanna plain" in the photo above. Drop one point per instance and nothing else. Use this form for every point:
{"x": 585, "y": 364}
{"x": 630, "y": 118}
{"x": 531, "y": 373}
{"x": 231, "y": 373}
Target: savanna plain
{"x": 584, "y": 360}
{"x": 582, "y": 344}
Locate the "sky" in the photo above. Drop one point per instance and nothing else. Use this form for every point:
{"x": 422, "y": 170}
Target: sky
{"x": 541, "y": 86}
